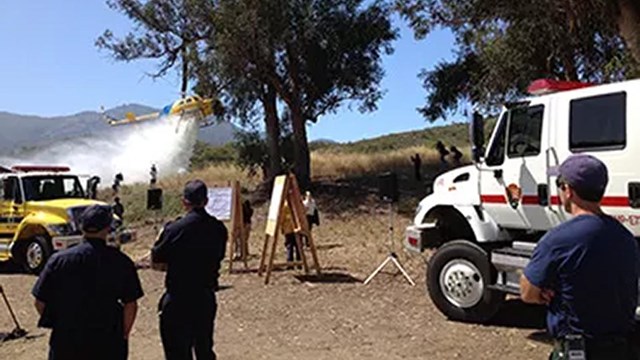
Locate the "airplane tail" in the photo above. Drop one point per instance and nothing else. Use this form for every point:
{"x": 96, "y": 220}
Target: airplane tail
{"x": 107, "y": 118}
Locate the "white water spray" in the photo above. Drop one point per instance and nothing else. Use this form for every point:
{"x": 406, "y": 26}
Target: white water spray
{"x": 128, "y": 149}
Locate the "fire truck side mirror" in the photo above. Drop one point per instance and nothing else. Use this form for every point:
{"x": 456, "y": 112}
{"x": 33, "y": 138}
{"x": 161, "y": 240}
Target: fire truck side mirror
{"x": 476, "y": 132}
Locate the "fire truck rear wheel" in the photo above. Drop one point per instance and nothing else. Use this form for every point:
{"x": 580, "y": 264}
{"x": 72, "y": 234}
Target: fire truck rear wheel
{"x": 36, "y": 252}
{"x": 457, "y": 279}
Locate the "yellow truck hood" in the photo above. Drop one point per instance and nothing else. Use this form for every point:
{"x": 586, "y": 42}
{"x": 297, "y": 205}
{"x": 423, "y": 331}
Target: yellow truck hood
{"x": 58, "y": 207}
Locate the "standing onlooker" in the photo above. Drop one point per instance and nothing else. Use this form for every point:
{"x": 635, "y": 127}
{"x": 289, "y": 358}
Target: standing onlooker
{"x": 311, "y": 209}
{"x": 247, "y": 214}
{"x": 417, "y": 166}
{"x": 116, "y": 184}
{"x": 287, "y": 227}
{"x": 118, "y": 208}
{"x": 442, "y": 150}
{"x": 153, "y": 176}
{"x": 191, "y": 249}
{"x": 92, "y": 187}
{"x": 88, "y": 295}
{"x": 457, "y": 155}
{"x": 585, "y": 270}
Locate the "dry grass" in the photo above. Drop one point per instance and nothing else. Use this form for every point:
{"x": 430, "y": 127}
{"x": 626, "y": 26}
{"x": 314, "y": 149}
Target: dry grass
{"x": 134, "y": 196}
{"x": 325, "y": 165}
{"x": 215, "y": 175}
{"x": 336, "y": 165}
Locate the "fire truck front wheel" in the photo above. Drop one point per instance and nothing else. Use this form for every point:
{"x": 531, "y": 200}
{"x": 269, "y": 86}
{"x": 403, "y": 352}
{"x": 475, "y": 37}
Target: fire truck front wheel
{"x": 457, "y": 278}
{"x": 36, "y": 252}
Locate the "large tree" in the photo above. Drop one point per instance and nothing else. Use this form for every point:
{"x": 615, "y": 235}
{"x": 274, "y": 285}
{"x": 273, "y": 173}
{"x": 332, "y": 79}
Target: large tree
{"x": 167, "y": 30}
{"x": 502, "y": 45}
{"x": 244, "y": 48}
{"x": 313, "y": 55}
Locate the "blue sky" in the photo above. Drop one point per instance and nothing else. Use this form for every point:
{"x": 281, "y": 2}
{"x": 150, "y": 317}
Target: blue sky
{"x": 51, "y": 67}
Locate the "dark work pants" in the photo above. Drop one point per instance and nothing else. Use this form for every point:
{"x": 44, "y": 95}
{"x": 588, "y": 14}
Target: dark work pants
{"x": 186, "y": 325}
{"x": 117, "y": 349}
{"x": 292, "y": 247}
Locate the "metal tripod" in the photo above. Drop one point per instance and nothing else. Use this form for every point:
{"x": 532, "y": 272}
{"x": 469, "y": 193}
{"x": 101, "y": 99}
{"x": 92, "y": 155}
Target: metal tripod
{"x": 392, "y": 257}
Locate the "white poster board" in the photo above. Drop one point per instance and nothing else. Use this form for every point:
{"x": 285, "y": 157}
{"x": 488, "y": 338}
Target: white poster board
{"x": 219, "y": 205}
{"x": 274, "y": 206}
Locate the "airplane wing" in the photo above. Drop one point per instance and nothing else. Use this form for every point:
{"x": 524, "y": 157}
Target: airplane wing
{"x": 130, "y": 118}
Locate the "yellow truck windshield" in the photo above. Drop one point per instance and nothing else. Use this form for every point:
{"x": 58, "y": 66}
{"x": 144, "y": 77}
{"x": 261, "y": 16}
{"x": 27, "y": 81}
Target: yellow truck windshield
{"x": 40, "y": 188}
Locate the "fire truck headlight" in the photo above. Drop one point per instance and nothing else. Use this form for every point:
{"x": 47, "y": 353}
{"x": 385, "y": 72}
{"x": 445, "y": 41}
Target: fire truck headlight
{"x": 60, "y": 229}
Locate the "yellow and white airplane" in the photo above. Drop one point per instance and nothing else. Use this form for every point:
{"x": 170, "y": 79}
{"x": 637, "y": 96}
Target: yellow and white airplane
{"x": 190, "y": 106}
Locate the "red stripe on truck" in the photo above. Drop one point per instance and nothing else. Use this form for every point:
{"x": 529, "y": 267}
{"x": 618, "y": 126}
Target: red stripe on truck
{"x": 608, "y": 201}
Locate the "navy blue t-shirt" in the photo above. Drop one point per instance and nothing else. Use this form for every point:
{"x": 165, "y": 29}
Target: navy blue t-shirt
{"x": 193, "y": 249}
{"x": 83, "y": 289}
{"x": 592, "y": 264}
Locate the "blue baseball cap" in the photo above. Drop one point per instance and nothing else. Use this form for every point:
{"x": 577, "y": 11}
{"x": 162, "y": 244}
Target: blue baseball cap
{"x": 195, "y": 192}
{"x": 583, "y": 172}
{"x": 96, "y": 218}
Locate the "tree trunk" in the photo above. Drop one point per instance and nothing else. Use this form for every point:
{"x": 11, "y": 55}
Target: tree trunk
{"x": 185, "y": 73}
{"x": 629, "y": 25}
{"x": 302, "y": 159}
{"x": 269, "y": 103}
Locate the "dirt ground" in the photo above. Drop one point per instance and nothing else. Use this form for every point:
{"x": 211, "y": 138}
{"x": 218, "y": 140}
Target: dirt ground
{"x": 329, "y": 317}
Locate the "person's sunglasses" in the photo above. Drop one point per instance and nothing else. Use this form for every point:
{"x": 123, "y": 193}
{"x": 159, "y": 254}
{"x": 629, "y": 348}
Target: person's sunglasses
{"x": 560, "y": 184}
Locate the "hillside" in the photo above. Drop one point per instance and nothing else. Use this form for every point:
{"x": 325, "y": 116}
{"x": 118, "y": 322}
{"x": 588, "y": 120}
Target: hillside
{"x": 455, "y": 134}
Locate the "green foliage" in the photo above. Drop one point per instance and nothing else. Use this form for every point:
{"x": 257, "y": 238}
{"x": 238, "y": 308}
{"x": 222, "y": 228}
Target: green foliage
{"x": 314, "y": 55}
{"x": 167, "y": 30}
{"x": 134, "y": 200}
{"x": 503, "y": 45}
{"x": 204, "y": 154}
{"x": 252, "y": 155}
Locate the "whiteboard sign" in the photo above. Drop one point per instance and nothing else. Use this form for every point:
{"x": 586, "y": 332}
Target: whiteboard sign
{"x": 219, "y": 205}
{"x": 274, "y": 206}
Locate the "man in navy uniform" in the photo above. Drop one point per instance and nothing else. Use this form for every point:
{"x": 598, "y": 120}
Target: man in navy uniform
{"x": 585, "y": 270}
{"x": 88, "y": 295}
{"x": 191, "y": 250}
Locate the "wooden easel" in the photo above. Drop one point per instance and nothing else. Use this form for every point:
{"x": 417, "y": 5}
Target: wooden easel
{"x": 285, "y": 188}
{"x": 237, "y": 228}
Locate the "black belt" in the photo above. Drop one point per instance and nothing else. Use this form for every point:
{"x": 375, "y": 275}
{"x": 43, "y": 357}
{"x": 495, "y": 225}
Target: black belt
{"x": 190, "y": 292}
{"x": 601, "y": 342}
{"x": 606, "y": 342}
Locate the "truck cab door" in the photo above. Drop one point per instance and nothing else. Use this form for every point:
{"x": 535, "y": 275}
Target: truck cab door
{"x": 11, "y": 213}
{"x": 513, "y": 181}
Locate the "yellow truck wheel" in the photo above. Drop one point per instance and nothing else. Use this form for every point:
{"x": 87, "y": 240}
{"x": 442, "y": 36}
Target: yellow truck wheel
{"x": 35, "y": 254}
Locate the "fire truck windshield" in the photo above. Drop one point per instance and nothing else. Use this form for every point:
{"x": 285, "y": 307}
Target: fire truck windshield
{"x": 50, "y": 187}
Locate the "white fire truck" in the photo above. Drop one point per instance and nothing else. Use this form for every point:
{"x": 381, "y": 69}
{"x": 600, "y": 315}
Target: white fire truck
{"x": 485, "y": 219}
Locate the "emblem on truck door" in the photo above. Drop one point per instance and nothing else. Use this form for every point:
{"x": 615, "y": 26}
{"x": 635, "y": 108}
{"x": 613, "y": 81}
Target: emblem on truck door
{"x": 514, "y": 194}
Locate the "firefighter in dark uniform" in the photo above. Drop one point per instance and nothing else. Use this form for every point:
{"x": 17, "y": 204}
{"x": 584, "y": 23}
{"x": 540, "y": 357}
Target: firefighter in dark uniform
{"x": 586, "y": 270}
{"x": 88, "y": 295}
{"x": 191, "y": 250}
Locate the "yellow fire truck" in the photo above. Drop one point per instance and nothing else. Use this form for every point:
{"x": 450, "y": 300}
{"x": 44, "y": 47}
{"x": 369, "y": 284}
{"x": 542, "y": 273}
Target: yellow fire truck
{"x": 40, "y": 207}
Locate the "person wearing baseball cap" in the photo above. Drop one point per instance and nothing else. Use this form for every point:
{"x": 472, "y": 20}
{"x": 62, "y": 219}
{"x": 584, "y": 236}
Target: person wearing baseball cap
{"x": 586, "y": 269}
{"x": 191, "y": 250}
{"x": 88, "y": 294}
